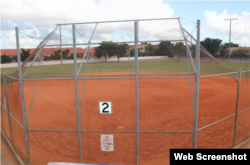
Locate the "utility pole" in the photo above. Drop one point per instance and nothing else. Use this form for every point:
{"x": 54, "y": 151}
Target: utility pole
{"x": 230, "y": 19}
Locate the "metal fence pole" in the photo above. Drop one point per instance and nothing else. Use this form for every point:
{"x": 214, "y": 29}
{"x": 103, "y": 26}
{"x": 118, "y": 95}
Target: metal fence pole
{"x": 20, "y": 77}
{"x": 1, "y": 116}
{"x": 237, "y": 107}
{"x": 136, "y": 92}
{"x": 76, "y": 93}
{"x": 197, "y": 78}
{"x": 7, "y": 103}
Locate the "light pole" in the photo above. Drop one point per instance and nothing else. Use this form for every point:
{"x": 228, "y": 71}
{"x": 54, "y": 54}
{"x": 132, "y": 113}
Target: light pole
{"x": 230, "y": 19}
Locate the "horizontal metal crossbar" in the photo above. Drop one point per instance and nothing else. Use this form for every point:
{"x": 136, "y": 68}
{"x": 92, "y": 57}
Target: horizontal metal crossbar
{"x": 97, "y": 43}
{"x": 48, "y": 79}
{"x": 106, "y": 75}
{"x": 165, "y": 131}
{"x": 109, "y": 78}
{"x": 81, "y": 131}
{"x": 52, "y": 130}
{"x": 166, "y": 77}
{"x": 98, "y": 131}
{"x": 131, "y": 20}
{"x": 245, "y": 71}
{"x": 108, "y": 131}
{"x": 213, "y": 75}
{"x": 105, "y": 78}
{"x": 49, "y": 76}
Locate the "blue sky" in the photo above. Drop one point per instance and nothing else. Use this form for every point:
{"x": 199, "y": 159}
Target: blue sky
{"x": 38, "y": 17}
{"x": 194, "y": 10}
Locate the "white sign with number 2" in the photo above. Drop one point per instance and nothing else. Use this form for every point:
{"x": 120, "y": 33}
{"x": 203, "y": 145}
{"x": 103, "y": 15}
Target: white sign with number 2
{"x": 105, "y": 107}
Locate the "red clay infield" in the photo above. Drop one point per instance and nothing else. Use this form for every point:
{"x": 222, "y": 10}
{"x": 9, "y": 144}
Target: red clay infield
{"x": 164, "y": 105}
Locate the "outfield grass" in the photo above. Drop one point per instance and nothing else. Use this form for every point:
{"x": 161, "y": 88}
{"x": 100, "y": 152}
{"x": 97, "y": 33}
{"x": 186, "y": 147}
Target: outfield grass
{"x": 169, "y": 66}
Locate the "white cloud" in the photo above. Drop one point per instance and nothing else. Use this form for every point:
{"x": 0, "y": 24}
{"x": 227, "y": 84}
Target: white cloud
{"x": 240, "y": 29}
{"x": 27, "y": 14}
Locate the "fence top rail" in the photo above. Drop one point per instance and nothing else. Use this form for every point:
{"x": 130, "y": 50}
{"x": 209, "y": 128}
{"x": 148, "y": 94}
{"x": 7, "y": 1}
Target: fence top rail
{"x": 27, "y": 79}
{"x": 113, "y": 42}
{"x": 132, "y": 20}
{"x": 245, "y": 71}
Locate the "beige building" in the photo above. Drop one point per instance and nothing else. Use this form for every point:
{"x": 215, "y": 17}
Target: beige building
{"x": 240, "y": 48}
{"x": 142, "y": 47}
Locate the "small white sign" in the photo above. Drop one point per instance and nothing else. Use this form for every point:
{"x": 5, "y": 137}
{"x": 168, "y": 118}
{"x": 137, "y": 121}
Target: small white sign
{"x": 107, "y": 143}
{"x": 105, "y": 107}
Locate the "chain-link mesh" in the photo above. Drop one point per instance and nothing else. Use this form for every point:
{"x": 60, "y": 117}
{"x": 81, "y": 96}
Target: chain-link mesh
{"x": 2, "y": 95}
{"x": 15, "y": 119}
{"x": 243, "y": 129}
{"x": 217, "y": 136}
{"x": 48, "y": 147}
{"x": 5, "y": 125}
{"x": 155, "y": 147}
{"x": 50, "y": 104}
{"x": 120, "y": 92}
{"x": 124, "y": 148}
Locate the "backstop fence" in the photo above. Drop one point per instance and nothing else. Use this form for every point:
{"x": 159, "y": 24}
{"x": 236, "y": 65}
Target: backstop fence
{"x": 126, "y": 112}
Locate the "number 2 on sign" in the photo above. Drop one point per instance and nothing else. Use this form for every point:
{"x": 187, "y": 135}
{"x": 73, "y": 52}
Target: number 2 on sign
{"x": 105, "y": 107}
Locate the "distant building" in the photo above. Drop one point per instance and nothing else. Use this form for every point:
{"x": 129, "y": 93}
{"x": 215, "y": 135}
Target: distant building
{"x": 91, "y": 52}
{"x": 46, "y": 51}
{"x": 143, "y": 47}
{"x": 240, "y": 48}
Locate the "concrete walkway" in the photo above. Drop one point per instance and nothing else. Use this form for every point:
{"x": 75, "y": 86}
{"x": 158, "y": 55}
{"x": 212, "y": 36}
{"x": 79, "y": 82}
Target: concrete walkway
{"x": 7, "y": 157}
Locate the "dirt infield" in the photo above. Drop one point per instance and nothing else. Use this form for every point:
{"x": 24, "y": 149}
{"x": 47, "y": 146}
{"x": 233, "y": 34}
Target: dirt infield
{"x": 164, "y": 105}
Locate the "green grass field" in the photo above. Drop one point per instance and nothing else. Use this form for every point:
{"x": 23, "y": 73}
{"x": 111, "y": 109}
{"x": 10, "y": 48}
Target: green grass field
{"x": 159, "y": 66}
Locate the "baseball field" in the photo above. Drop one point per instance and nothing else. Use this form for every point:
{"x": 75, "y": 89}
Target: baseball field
{"x": 165, "y": 104}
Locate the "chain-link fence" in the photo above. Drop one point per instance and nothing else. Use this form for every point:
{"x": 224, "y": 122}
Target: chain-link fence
{"x": 124, "y": 110}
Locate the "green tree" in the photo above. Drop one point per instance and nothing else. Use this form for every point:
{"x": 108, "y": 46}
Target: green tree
{"x": 212, "y": 45}
{"x": 132, "y": 52}
{"x": 106, "y": 48}
{"x": 56, "y": 55}
{"x": 149, "y": 48}
{"x": 231, "y": 44}
{"x": 146, "y": 43}
{"x": 224, "y": 48}
{"x": 65, "y": 53}
{"x": 5, "y": 59}
{"x": 192, "y": 50}
{"x": 240, "y": 53}
{"x": 71, "y": 55}
{"x": 165, "y": 48}
{"x": 121, "y": 50}
{"x": 179, "y": 50}
{"x": 25, "y": 54}
{"x": 14, "y": 58}
{"x": 223, "y": 51}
